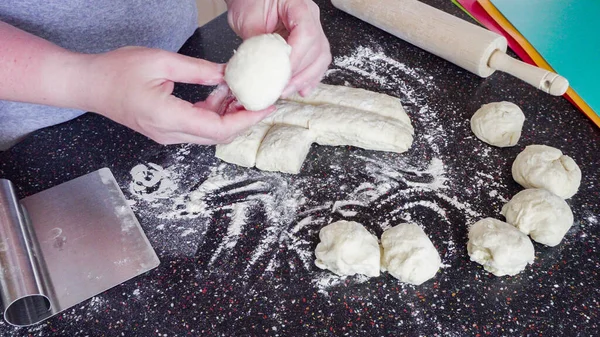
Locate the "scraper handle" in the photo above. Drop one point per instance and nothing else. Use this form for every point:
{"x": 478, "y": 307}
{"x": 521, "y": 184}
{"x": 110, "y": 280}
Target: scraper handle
{"x": 542, "y": 79}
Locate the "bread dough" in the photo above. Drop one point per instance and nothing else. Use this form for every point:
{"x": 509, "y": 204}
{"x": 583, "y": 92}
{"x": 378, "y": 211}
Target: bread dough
{"x": 291, "y": 113}
{"x": 541, "y": 166}
{"x": 408, "y": 254}
{"x": 244, "y": 148}
{"x": 347, "y": 248}
{"x": 284, "y": 149}
{"x": 500, "y": 247}
{"x": 498, "y": 123}
{"x": 329, "y": 124}
{"x": 259, "y": 71}
{"x": 337, "y": 125}
{"x": 540, "y": 214}
{"x": 356, "y": 98}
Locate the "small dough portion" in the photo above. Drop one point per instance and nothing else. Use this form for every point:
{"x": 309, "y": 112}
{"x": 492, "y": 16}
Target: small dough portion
{"x": 498, "y": 124}
{"x": 541, "y": 166}
{"x": 408, "y": 254}
{"x": 284, "y": 149}
{"x": 243, "y": 149}
{"x": 356, "y": 98}
{"x": 337, "y": 126}
{"x": 499, "y": 247}
{"x": 540, "y": 214}
{"x": 259, "y": 71}
{"x": 347, "y": 248}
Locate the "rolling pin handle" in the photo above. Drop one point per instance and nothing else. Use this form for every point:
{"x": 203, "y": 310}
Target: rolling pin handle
{"x": 542, "y": 79}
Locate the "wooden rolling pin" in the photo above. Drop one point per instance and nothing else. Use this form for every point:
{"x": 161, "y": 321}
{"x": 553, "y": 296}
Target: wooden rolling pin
{"x": 469, "y": 46}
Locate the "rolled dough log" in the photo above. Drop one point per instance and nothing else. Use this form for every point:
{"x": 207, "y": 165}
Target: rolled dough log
{"x": 284, "y": 149}
{"x": 356, "y": 98}
{"x": 337, "y": 125}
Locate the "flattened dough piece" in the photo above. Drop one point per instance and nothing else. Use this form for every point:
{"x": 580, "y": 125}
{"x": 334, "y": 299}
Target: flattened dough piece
{"x": 356, "y": 98}
{"x": 337, "y": 125}
{"x": 243, "y": 149}
{"x": 284, "y": 149}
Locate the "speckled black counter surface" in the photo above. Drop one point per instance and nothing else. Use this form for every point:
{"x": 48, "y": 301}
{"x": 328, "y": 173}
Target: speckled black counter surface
{"x": 240, "y": 262}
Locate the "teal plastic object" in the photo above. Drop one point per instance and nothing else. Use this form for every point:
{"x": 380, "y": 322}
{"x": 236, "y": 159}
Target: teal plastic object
{"x": 566, "y": 33}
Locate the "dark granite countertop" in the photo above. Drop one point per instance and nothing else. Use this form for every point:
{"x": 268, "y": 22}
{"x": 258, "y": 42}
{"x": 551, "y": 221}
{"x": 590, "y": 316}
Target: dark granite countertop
{"x": 241, "y": 264}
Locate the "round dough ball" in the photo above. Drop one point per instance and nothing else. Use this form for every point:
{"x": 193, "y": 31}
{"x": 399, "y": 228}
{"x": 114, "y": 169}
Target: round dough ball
{"x": 499, "y": 247}
{"x": 541, "y": 166}
{"x": 498, "y": 123}
{"x": 259, "y": 71}
{"x": 408, "y": 254}
{"x": 347, "y": 248}
{"x": 540, "y": 214}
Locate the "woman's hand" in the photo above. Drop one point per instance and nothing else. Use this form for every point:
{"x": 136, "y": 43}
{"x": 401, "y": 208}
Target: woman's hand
{"x": 297, "y": 21}
{"x": 133, "y": 87}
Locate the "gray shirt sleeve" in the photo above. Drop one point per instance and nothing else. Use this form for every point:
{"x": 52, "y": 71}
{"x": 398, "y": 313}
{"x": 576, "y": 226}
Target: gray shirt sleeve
{"x": 89, "y": 27}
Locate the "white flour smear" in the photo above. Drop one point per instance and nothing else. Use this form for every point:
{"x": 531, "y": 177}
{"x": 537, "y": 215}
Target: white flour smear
{"x": 180, "y": 206}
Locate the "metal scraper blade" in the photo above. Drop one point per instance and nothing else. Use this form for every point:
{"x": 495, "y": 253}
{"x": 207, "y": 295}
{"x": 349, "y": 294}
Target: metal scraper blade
{"x": 67, "y": 244}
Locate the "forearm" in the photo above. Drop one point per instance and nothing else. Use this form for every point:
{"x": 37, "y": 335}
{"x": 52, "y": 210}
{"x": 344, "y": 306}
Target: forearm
{"x": 34, "y": 70}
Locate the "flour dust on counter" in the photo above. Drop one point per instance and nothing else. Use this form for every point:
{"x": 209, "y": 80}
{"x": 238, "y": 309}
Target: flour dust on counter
{"x": 256, "y": 231}
{"x": 262, "y": 223}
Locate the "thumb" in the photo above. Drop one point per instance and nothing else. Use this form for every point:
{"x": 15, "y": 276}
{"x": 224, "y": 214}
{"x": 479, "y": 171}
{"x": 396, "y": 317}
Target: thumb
{"x": 185, "y": 69}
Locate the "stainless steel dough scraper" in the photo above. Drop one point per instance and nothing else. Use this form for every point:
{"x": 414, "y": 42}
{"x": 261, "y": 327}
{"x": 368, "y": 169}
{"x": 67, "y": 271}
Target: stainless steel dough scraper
{"x": 67, "y": 244}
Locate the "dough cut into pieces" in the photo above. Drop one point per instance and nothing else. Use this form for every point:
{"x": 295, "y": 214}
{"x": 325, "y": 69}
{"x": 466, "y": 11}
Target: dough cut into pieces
{"x": 347, "y": 248}
{"x": 498, "y": 123}
{"x": 243, "y": 149}
{"x": 541, "y": 166}
{"x": 499, "y": 247}
{"x": 329, "y": 124}
{"x": 356, "y": 98}
{"x": 284, "y": 149}
{"x": 337, "y": 125}
{"x": 259, "y": 71}
{"x": 540, "y": 214}
{"x": 408, "y": 254}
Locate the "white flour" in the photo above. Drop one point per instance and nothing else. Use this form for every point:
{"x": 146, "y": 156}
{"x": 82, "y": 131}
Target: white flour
{"x": 395, "y": 187}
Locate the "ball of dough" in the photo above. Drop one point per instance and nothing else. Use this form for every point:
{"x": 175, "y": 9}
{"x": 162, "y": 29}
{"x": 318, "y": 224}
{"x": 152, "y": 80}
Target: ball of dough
{"x": 541, "y": 166}
{"x": 347, "y": 248}
{"x": 498, "y": 123}
{"x": 408, "y": 254}
{"x": 500, "y": 247}
{"x": 259, "y": 71}
{"x": 540, "y": 214}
